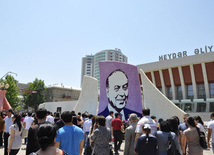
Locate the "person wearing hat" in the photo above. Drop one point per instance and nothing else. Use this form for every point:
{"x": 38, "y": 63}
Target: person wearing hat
{"x": 146, "y": 143}
{"x": 8, "y": 123}
{"x": 130, "y": 135}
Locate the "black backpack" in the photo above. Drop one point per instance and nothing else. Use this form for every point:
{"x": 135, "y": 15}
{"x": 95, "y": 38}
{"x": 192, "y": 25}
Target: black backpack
{"x": 171, "y": 147}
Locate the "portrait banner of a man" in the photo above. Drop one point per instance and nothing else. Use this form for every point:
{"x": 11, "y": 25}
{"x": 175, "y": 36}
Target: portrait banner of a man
{"x": 119, "y": 89}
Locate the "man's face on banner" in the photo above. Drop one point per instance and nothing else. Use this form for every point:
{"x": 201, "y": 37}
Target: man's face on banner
{"x": 117, "y": 92}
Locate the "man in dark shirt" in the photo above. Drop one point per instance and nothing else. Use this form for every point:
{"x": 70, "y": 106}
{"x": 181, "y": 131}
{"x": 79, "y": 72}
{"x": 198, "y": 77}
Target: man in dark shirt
{"x": 116, "y": 127}
{"x": 33, "y": 144}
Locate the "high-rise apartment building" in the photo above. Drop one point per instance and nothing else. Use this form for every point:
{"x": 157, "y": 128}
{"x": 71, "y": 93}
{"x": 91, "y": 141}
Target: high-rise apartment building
{"x": 90, "y": 63}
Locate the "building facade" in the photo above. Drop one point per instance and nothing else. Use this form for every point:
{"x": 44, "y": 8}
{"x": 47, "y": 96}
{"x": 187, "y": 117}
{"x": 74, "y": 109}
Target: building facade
{"x": 90, "y": 63}
{"x": 187, "y": 81}
{"x": 58, "y": 93}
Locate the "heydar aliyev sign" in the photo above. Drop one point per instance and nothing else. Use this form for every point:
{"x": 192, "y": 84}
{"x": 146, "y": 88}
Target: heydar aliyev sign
{"x": 206, "y": 49}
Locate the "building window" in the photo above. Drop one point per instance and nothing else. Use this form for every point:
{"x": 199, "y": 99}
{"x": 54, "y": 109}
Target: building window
{"x": 190, "y": 94}
{"x": 201, "y": 107}
{"x": 187, "y": 107}
{"x": 211, "y": 106}
{"x": 179, "y": 93}
{"x": 201, "y": 91}
{"x": 211, "y": 90}
{"x": 169, "y": 93}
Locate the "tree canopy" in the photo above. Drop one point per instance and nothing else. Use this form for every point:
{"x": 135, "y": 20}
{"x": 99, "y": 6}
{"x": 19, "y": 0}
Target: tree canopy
{"x": 34, "y": 99}
{"x": 12, "y": 92}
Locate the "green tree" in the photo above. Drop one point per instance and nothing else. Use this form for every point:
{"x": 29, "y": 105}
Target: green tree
{"x": 12, "y": 92}
{"x": 34, "y": 99}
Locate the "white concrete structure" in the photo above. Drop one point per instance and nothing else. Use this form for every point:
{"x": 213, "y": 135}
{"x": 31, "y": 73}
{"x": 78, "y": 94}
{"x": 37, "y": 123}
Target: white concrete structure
{"x": 88, "y": 100}
{"x": 159, "y": 104}
{"x": 58, "y": 106}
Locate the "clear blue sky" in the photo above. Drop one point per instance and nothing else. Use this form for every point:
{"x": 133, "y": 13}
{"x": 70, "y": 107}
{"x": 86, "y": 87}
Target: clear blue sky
{"x": 46, "y": 39}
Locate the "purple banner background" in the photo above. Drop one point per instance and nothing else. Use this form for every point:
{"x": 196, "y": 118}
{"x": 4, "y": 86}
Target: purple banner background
{"x": 134, "y": 99}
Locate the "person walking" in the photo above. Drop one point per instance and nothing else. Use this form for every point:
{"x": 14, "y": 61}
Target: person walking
{"x": 211, "y": 132}
{"x": 146, "y": 119}
{"x": 130, "y": 135}
{"x": 116, "y": 129}
{"x": 147, "y": 143}
{"x": 192, "y": 138}
{"x": 109, "y": 119}
{"x": 46, "y": 135}
{"x": 101, "y": 137}
{"x": 2, "y": 128}
{"x": 15, "y": 139}
{"x": 70, "y": 138}
{"x": 163, "y": 136}
{"x": 8, "y": 123}
{"x": 33, "y": 143}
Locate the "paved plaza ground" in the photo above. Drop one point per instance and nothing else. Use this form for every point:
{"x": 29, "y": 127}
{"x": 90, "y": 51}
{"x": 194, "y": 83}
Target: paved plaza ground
{"x": 23, "y": 150}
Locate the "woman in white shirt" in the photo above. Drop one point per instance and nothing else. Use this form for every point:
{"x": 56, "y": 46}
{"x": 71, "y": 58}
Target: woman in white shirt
{"x": 15, "y": 139}
{"x": 200, "y": 123}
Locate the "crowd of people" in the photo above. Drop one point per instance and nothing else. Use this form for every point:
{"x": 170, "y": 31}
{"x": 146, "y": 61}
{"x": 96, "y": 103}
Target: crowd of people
{"x": 77, "y": 134}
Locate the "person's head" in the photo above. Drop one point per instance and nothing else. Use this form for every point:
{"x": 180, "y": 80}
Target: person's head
{"x": 177, "y": 119}
{"x": 212, "y": 115}
{"x": 90, "y": 116}
{"x": 41, "y": 114}
{"x": 117, "y": 89}
{"x": 48, "y": 112}
{"x": 100, "y": 120}
{"x": 117, "y": 115}
{"x": 185, "y": 118}
{"x": 164, "y": 125}
{"x": 29, "y": 114}
{"x": 191, "y": 122}
{"x": 133, "y": 118}
{"x": 160, "y": 120}
{"x": 111, "y": 113}
{"x": 74, "y": 120}
{"x": 66, "y": 117}
{"x": 154, "y": 118}
{"x": 146, "y": 112}
{"x": 9, "y": 112}
{"x": 198, "y": 120}
{"x": 146, "y": 130}
{"x": 17, "y": 120}
{"x": 46, "y": 135}
{"x": 173, "y": 125}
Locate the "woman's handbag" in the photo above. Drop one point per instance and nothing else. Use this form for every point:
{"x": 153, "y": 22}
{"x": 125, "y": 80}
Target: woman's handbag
{"x": 24, "y": 133}
{"x": 202, "y": 138}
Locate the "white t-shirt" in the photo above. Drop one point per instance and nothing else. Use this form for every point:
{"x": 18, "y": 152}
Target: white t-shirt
{"x": 17, "y": 141}
{"x": 211, "y": 126}
{"x": 28, "y": 120}
{"x": 8, "y": 123}
{"x": 87, "y": 125}
{"x": 146, "y": 120}
{"x": 50, "y": 119}
{"x": 108, "y": 121}
{"x": 201, "y": 127}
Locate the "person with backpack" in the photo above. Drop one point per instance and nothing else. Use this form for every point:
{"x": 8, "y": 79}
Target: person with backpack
{"x": 164, "y": 137}
{"x": 191, "y": 136}
{"x": 147, "y": 143}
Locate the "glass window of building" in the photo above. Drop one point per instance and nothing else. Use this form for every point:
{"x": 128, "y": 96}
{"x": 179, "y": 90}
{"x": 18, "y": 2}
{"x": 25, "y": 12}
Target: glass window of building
{"x": 187, "y": 107}
{"x": 179, "y": 93}
{"x": 201, "y": 107}
{"x": 211, "y": 90}
{"x": 169, "y": 93}
{"x": 201, "y": 91}
{"x": 190, "y": 94}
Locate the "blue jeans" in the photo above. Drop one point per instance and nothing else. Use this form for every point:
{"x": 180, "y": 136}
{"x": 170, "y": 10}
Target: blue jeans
{"x": 86, "y": 139}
